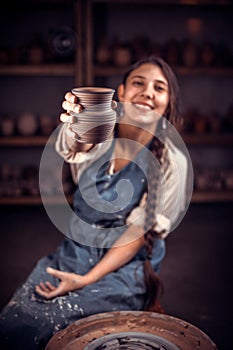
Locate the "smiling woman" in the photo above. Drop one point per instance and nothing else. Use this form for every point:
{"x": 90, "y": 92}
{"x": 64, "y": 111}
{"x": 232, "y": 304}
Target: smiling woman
{"x": 145, "y": 95}
{"x": 131, "y": 193}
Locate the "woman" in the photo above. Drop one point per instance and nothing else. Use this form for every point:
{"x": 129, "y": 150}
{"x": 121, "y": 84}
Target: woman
{"x": 111, "y": 259}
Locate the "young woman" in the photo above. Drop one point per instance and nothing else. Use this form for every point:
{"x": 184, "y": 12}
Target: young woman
{"x": 111, "y": 259}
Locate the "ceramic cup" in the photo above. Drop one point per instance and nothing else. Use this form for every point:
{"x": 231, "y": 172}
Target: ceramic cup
{"x": 97, "y": 120}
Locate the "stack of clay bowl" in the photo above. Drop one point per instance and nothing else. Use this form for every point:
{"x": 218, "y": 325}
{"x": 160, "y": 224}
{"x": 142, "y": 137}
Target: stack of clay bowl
{"x": 132, "y": 330}
{"x": 97, "y": 120}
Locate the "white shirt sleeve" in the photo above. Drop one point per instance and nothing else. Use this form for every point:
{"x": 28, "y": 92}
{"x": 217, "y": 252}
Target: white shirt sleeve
{"x": 79, "y": 161}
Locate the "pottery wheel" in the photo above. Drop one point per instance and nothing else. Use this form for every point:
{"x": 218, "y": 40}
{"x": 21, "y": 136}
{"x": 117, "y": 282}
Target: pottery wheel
{"x": 131, "y": 330}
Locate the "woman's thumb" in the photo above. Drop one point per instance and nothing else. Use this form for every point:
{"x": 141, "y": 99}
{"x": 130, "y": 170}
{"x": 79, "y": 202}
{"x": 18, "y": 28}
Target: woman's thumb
{"x": 54, "y": 272}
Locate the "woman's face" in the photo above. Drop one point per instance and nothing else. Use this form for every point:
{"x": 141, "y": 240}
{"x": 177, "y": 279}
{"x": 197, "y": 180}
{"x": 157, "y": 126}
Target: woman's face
{"x": 145, "y": 95}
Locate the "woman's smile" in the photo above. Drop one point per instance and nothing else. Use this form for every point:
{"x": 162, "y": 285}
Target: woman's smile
{"x": 143, "y": 106}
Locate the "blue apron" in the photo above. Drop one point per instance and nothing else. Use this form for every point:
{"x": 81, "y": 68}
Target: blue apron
{"x": 29, "y": 321}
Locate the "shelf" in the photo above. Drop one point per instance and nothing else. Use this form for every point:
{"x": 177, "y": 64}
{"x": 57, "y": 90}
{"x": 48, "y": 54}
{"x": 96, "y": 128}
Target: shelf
{"x": 55, "y": 69}
{"x": 191, "y": 139}
{"x": 68, "y": 69}
{"x": 107, "y": 71}
{"x": 27, "y": 200}
{"x": 35, "y": 4}
{"x": 171, "y": 3}
{"x": 24, "y": 141}
{"x": 211, "y": 71}
{"x": 221, "y": 139}
{"x": 208, "y": 196}
{"x": 198, "y": 197}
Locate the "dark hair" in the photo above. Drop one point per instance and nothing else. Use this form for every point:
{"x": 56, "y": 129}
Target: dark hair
{"x": 153, "y": 283}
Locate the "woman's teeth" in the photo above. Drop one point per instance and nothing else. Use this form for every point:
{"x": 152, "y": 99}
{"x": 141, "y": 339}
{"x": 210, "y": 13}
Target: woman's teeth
{"x": 143, "y": 107}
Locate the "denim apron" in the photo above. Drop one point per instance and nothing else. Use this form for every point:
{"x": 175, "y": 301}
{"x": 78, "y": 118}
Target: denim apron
{"x": 29, "y": 321}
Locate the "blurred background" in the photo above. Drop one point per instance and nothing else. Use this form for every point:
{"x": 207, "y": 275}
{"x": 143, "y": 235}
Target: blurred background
{"x": 49, "y": 46}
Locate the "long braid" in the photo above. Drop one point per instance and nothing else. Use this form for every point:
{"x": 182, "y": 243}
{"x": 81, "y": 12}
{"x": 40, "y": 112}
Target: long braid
{"x": 153, "y": 283}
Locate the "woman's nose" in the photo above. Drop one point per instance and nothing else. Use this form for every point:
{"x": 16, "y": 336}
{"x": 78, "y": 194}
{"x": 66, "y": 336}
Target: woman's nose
{"x": 148, "y": 92}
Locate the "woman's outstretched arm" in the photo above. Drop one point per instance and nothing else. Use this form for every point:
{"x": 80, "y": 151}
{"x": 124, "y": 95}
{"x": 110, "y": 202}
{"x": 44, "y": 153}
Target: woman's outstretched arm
{"x": 124, "y": 249}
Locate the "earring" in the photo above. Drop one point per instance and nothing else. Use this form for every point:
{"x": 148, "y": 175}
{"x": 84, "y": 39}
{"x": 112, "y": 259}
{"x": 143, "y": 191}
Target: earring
{"x": 122, "y": 112}
{"x": 164, "y": 123}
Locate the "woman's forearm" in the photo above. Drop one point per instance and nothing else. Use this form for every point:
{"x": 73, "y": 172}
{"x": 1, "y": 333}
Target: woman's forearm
{"x": 116, "y": 257}
{"x": 124, "y": 249}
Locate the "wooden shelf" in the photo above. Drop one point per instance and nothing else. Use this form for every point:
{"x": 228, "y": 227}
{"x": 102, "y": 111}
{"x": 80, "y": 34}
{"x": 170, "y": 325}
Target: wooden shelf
{"x": 221, "y": 139}
{"x": 35, "y": 4}
{"x": 191, "y": 139}
{"x": 198, "y": 197}
{"x": 106, "y": 71}
{"x": 211, "y": 71}
{"x": 28, "y": 141}
{"x": 209, "y": 196}
{"x": 68, "y": 69}
{"x": 171, "y": 3}
{"x": 64, "y": 69}
{"x": 27, "y": 200}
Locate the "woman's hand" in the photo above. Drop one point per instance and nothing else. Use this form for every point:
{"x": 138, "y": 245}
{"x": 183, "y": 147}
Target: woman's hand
{"x": 70, "y": 104}
{"x": 68, "y": 282}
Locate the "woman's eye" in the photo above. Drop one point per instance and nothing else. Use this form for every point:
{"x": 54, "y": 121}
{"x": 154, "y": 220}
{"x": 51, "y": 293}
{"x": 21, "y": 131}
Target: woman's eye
{"x": 159, "y": 88}
{"x": 137, "y": 83}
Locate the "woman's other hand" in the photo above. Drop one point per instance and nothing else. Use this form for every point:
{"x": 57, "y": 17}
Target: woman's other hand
{"x": 68, "y": 282}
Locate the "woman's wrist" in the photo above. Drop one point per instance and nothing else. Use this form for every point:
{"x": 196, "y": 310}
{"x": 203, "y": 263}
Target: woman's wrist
{"x": 89, "y": 278}
{"x": 73, "y": 144}
{"x": 79, "y": 282}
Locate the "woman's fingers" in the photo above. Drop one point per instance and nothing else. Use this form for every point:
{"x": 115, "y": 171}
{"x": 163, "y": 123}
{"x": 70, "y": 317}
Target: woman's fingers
{"x": 67, "y": 118}
{"x": 71, "y": 103}
{"x": 74, "y": 107}
{"x": 40, "y": 290}
{"x": 71, "y": 97}
{"x": 48, "y": 294}
{"x": 43, "y": 287}
{"x": 114, "y": 104}
{"x": 47, "y": 290}
{"x": 68, "y": 106}
{"x": 50, "y": 286}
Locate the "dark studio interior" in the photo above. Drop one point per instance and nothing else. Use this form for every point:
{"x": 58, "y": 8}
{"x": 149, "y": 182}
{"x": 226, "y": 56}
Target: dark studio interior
{"x": 50, "y": 46}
